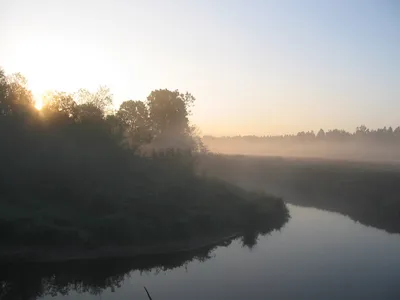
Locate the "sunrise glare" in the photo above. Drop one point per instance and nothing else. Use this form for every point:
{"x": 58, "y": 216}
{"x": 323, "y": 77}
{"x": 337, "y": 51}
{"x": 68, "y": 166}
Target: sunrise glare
{"x": 38, "y": 102}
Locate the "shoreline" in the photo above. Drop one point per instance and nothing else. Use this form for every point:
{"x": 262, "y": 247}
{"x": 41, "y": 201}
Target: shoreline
{"x": 64, "y": 254}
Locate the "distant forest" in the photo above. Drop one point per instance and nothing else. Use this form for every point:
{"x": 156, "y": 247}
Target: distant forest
{"x": 363, "y": 144}
{"x": 361, "y": 134}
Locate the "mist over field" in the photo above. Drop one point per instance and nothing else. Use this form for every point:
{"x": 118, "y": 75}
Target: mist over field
{"x": 381, "y": 145}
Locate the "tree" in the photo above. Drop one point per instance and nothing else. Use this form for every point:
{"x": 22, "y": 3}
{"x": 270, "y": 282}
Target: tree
{"x": 321, "y": 134}
{"x": 396, "y": 132}
{"x": 169, "y": 111}
{"x": 4, "y": 105}
{"x": 19, "y": 91}
{"x": 337, "y": 135}
{"x": 89, "y": 112}
{"x": 15, "y": 97}
{"x": 60, "y": 103}
{"x": 102, "y": 98}
{"x": 362, "y": 131}
{"x": 134, "y": 117}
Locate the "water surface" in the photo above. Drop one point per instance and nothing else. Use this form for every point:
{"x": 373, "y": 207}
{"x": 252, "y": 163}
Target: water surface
{"x": 316, "y": 255}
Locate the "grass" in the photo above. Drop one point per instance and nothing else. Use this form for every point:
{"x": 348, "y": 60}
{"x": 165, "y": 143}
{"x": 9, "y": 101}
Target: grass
{"x": 145, "y": 215}
{"x": 366, "y": 192}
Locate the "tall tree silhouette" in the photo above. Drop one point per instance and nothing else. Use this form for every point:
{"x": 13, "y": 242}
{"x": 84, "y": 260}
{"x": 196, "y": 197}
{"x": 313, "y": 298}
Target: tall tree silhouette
{"x": 134, "y": 117}
{"x": 169, "y": 111}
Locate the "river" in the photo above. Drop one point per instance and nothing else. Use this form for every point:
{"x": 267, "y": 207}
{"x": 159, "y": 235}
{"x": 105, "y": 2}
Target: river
{"x": 316, "y": 255}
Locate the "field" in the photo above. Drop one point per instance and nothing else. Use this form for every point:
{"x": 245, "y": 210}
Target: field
{"x": 366, "y": 192}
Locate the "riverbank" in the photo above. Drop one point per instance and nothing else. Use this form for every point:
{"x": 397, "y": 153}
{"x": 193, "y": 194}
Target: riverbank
{"x": 50, "y": 255}
{"x": 366, "y": 192}
{"x": 176, "y": 219}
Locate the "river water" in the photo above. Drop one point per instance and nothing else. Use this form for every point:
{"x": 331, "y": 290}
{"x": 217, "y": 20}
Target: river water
{"x": 316, "y": 255}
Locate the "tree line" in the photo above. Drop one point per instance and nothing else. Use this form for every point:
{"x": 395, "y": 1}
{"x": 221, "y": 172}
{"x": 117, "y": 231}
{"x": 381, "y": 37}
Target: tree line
{"x": 165, "y": 113}
{"x": 88, "y": 121}
{"x": 361, "y": 134}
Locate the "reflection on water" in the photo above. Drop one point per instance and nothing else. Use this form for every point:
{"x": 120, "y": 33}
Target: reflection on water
{"x": 27, "y": 281}
{"x": 317, "y": 255}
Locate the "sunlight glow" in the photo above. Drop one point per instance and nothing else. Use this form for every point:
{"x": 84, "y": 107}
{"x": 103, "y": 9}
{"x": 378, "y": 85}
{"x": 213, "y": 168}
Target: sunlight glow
{"x": 38, "y": 102}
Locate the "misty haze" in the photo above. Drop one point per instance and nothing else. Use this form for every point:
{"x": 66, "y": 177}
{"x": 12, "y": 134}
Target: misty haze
{"x": 199, "y": 149}
{"x": 376, "y": 145}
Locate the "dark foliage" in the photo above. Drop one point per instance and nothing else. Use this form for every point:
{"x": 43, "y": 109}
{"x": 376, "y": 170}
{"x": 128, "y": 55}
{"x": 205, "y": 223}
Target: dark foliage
{"x": 76, "y": 174}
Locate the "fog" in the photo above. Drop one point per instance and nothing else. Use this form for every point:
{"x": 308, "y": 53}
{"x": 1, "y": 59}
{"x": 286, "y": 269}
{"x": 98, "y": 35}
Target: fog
{"x": 369, "y": 151}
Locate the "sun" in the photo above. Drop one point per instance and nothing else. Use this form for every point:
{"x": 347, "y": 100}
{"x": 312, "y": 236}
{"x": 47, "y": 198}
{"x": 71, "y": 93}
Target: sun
{"x": 38, "y": 102}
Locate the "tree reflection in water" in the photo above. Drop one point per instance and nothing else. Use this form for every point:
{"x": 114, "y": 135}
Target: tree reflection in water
{"x": 32, "y": 281}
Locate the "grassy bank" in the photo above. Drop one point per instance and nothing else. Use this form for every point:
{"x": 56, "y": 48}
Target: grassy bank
{"x": 166, "y": 218}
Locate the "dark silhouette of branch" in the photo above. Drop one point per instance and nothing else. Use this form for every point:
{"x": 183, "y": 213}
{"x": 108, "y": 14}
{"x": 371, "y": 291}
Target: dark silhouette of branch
{"x": 148, "y": 294}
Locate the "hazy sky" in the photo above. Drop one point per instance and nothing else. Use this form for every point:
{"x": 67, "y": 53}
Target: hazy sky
{"x": 255, "y": 67}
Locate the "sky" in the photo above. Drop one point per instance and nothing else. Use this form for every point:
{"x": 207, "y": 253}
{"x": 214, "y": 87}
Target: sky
{"x": 255, "y": 67}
